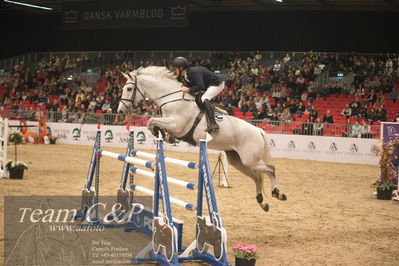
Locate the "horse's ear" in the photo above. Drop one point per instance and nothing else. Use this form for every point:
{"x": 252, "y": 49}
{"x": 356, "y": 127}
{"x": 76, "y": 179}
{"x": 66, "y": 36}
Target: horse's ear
{"x": 126, "y": 75}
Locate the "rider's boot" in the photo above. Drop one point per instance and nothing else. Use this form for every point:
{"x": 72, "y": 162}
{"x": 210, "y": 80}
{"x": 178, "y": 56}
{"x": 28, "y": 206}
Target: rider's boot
{"x": 210, "y": 116}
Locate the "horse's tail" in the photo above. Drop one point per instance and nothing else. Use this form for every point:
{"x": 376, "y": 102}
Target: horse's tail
{"x": 266, "y": 148}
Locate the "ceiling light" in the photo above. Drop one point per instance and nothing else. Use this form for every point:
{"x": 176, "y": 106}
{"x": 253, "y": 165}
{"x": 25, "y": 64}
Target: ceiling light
{"x": 28, "y": 5}
{"x": 280, "y": 1}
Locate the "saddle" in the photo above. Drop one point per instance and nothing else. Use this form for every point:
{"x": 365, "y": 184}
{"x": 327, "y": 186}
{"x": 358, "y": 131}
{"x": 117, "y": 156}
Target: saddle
{"x": 188, "y": 137}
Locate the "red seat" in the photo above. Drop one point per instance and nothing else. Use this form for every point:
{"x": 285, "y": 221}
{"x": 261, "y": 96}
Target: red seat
{"x": 376, "y": 131}
{"x": 328, "y": 129}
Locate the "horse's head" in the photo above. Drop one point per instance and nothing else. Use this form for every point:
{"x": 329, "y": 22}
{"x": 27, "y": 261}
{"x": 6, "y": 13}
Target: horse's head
{"x": 131, "y": 94}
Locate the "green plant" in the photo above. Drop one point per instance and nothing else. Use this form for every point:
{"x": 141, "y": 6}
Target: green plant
{"x": 384, "y": 185}
{"x": 15, "y": 138}
{"x": 16, "y": 165}
{"x": 245, "y": 251}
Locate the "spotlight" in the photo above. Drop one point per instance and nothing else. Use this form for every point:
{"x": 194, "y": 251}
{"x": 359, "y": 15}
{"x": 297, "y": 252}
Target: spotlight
{"x": 28, "y": 5}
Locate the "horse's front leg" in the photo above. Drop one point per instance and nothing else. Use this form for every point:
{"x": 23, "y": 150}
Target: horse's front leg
{"x": 164, "y": 124}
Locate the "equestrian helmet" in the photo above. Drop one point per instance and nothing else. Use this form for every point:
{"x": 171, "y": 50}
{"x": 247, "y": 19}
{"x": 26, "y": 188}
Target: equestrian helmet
{"x": 180, "y": 62}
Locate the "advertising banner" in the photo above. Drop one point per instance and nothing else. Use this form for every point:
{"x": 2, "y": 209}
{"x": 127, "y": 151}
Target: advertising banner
{"x": 119, "y": 14}
{"x": 329, "y": 149}
{"x": 318, "y": 148}
{"x": 112, "y": 136}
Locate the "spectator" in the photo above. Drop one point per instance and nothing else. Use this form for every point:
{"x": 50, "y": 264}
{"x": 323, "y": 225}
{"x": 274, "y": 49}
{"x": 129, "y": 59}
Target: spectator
{"x": 346, "y": 111}
{"x": 274, "y": 119}
{"x": 313, "y": 114}
{"x": 318, "y": 128}
{"x": 277, "y": 66}
{"x": 393, "y": 96}
{"x": 106, "y": 106}
{"x": 356, "y": 131}
{"x": 286, "y": 59}
{"x": 244, "y": 106}
{"x": 268, "y": 114}
{"x": 307, "y": 127}
{"x": 259, "y": 103}
{"x": 366, "y": 130}
{"x": 286, "y": 115}
{"x": 328, "y": 118}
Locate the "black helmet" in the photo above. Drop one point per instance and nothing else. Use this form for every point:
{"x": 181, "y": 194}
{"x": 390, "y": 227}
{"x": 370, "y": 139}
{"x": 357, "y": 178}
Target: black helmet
{"x": 180, "y": 62}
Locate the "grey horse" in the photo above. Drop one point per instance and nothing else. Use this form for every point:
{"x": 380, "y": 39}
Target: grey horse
{"x": 246, "y": 146}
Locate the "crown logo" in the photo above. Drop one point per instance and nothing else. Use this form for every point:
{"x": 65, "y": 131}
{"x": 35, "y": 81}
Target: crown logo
{"x": 178, "y": 12}
{"x": 71, "y": 16}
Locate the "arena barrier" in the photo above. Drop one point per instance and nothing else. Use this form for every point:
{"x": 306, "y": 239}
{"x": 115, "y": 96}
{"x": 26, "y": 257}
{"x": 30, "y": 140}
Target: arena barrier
{"x": 27, "y": 134}
{"x": 3, "y": 147}
{"x": 166, "y": 232}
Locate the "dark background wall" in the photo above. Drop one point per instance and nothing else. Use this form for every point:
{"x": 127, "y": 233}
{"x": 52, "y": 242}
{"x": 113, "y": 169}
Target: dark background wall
{"x": 276, "y": 31}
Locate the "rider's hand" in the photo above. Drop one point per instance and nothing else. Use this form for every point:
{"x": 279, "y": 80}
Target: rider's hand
{"x": 185, "y": 89}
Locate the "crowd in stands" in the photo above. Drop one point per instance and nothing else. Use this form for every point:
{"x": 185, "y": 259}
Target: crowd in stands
{"x": 256, "y": 88}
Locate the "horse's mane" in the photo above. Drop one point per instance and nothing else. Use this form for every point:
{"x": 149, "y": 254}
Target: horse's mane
{"x": 156, "y": 71}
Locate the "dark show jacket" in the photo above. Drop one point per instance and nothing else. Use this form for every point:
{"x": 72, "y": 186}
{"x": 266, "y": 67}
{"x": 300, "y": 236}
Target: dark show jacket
{"x": 200, "y": 79}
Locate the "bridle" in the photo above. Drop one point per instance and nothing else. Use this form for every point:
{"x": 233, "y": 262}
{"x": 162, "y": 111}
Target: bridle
{"x": 137, "y": 89}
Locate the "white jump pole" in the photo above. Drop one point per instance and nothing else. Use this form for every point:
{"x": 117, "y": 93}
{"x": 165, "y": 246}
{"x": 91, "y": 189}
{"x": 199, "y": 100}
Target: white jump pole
{"x": 171, "y": 180}
{"x": 174, "y": 161}
{"x": 178, "y": 202}
{"x": 3, "y": 145}
{"x": 126, "y": 158}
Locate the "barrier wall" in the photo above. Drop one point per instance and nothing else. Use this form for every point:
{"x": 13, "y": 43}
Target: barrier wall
{"x": 331, "y": 149}
{"x": 113, "y": 136}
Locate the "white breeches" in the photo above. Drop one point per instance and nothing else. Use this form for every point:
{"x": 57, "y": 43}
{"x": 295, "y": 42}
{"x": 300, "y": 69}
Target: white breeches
{"x": 212, "y": 92}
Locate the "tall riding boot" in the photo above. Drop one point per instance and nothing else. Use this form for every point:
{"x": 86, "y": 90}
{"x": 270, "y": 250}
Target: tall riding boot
{"x": 210, "y": 116}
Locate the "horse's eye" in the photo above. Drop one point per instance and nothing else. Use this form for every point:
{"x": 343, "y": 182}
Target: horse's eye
{"x": 129, "y": 89}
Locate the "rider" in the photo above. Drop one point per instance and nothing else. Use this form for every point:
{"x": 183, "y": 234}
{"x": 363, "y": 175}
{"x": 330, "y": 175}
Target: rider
{"x": 196, "y": 79}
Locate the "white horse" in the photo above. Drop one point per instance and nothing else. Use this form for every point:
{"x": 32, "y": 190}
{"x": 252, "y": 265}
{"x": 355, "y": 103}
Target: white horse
{"x": 246, "y": 146}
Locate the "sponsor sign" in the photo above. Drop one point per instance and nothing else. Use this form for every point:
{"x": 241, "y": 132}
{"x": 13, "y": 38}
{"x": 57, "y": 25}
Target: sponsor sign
{"x": 113, "y": 136}
{"x": 119, "y": 14}
{"x": 330, "y": 149}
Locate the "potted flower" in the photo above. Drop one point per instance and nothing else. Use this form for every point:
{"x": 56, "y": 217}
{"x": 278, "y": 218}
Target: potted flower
{"x": 384, "y": 189}
{"x": 52, "y": 139}
{"x": 16, "y": 168}
{"x": 245, "y": 255}
{"x": 385, "y": 185}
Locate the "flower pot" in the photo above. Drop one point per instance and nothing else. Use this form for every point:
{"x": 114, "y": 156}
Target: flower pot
{"x": 244, "y": 262}
{"x": 52, "y": 141}
{"x": 384, "y": 194}
{"x": 16, "y": 173}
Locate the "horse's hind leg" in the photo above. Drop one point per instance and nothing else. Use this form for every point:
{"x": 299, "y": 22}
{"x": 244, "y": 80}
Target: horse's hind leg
{"x": 272, "y": 175}
{"x": 235, "y": 161}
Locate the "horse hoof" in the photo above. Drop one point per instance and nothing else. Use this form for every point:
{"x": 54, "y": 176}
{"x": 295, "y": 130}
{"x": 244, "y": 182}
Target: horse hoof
{"x": 155, "y": 131}
{"x": 266, "y": 207}
{"x": 276, "y": 194}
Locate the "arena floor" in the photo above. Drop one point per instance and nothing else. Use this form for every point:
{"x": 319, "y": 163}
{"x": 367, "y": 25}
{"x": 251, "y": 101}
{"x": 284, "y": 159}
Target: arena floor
{"x": 330, "y": 217}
